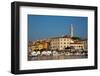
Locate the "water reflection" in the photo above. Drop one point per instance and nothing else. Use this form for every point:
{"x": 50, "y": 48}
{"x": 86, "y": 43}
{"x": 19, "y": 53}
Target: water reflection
{"x": 56, "y": 57}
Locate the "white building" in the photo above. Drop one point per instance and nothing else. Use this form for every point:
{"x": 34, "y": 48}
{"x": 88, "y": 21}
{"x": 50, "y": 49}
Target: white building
{"x": 60, "y": 43}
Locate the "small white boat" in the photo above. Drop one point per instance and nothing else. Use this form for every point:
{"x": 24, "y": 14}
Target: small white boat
{"x": 34, "y": 53}
{"x": 49, "y": 53}
{"x": 38, "y": 52}
{"x": 55, "y": 53}
{"x": 44, "y": 53}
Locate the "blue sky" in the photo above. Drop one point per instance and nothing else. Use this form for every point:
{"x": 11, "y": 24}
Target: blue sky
{"x": 46, "y": 26}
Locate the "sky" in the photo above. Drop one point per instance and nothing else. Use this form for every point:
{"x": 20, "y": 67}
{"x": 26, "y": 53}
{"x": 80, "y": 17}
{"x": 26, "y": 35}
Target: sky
{"x": 47, "y": 26}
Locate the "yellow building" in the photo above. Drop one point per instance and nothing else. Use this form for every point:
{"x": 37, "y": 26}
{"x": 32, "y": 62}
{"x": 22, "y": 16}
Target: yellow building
{"x": 39, "y": 45}
{"x": 33, "y": 48}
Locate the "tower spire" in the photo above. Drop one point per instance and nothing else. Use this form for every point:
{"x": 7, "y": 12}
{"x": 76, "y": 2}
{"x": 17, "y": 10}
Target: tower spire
{"x": 72, "y": 31}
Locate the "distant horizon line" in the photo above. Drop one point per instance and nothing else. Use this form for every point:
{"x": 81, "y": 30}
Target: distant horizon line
{"x": 59, "y": 37}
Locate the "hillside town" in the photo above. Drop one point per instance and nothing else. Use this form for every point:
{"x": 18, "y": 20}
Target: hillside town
{"x": 66, "y": 45}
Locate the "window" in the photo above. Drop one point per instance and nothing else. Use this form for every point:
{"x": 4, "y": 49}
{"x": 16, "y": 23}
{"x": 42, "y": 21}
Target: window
{"x": 64, "y": 42}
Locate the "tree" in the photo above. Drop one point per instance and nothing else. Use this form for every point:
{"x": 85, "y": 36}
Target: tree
{"x": 76, "y": 38}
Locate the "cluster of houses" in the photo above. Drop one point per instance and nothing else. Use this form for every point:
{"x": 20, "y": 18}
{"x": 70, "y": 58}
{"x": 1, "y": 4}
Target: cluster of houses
{"x": 57, "y": 44}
